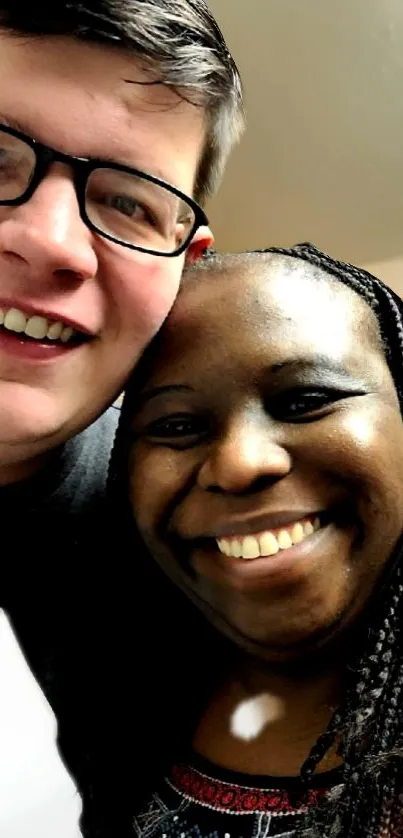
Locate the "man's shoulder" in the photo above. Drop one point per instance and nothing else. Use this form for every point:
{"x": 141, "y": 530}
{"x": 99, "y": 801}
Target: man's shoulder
{"x": 70, "y": 504}
{"x": 101, "y": 433}
{"x": 86, "y": 462}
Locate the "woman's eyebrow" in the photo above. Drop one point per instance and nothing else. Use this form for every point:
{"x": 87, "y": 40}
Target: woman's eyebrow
{"x": 321, "y": 363}
{"x": 153, "y": 392}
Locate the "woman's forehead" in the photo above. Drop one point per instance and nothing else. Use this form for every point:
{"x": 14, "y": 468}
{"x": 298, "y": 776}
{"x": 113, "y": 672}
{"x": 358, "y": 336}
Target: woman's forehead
{"x": 278, "y": 296}
{"x": 237, "y": 328}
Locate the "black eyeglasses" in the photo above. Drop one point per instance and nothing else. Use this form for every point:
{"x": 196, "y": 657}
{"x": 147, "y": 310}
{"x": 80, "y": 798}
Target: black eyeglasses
{"x": 124, "y": 205}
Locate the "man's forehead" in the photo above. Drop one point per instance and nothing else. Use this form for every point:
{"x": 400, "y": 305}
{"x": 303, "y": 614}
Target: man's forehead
{"x": 73, "y": 84}
{"x": 102, "y": 70}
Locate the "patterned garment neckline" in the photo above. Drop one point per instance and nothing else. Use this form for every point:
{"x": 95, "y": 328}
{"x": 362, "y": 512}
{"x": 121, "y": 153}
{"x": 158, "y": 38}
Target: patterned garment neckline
{"x": 197, "y": 799}
{"x": 223, "y": 790}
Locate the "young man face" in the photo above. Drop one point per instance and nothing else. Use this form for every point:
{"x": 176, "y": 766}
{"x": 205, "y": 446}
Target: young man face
{"x": 90, "y": 101}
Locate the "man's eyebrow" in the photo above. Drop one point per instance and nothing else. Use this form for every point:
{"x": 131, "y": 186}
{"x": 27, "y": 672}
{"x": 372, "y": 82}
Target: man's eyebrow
{"x": 321, "y": 363}
{"x": 164, "y": 389}
{"x": 12, "y": 123}
{"x": 105, "y": 158}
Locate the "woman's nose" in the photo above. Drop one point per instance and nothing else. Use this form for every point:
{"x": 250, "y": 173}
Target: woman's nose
{"x": 242, "y": 459}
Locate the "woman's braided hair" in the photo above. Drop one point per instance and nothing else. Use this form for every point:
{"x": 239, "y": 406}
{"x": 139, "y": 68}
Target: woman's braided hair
{"x": 368, "y": 727}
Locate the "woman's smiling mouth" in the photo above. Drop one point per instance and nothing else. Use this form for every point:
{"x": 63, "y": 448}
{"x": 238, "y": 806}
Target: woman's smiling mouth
{"x": 286, "y": 554}
{"x": 268, "y": 542}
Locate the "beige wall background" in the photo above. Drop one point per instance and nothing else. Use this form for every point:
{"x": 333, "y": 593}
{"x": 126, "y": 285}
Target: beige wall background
{"x": 322, "y": 158}
{"x": 390, "y": 272}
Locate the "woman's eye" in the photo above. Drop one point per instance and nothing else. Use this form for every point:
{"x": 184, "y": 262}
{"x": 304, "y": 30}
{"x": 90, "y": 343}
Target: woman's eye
{"x": 301, "y": 403}
{"x": 184, "y": 430}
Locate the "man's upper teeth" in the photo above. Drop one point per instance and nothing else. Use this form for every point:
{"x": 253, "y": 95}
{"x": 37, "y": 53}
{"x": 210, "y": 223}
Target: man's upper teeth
{"x": 269, "y": 542}
{"x": 35, "y": 326}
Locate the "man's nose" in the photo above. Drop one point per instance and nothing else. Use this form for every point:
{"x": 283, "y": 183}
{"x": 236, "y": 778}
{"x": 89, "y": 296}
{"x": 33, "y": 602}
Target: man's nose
{"x": 243, "y": 459}
{"x": 47, "y": 232}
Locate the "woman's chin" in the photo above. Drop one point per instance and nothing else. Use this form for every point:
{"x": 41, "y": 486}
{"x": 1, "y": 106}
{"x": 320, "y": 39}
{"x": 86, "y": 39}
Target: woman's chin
{"x": 292, "y": 640}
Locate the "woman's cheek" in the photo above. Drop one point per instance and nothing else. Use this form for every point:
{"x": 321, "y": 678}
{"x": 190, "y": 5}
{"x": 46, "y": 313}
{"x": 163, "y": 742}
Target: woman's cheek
{"x": 363, "y": 432}
{"x": 367, "y": 439}
{"x": 154, "y": 481}
{"x": 357, "y": 446}
{"x": 138, "y": 486}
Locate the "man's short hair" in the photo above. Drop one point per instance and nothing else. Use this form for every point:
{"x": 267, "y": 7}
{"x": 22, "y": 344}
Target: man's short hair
{"x": 178, "y": 40}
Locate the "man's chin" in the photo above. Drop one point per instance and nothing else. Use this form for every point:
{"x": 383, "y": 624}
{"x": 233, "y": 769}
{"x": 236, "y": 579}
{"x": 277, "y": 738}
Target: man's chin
{"x": 33, "y": 425}
{"x": 34, "y": 422}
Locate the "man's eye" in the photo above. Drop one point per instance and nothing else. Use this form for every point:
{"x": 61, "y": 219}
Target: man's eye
{"x": 302, "y": 403}
{"x": 124, "y": 204}
{"x": 127, "y": 205}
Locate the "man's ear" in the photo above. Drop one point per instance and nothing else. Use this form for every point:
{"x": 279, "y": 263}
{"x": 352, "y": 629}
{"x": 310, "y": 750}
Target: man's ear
{"x": 202, "y": 239}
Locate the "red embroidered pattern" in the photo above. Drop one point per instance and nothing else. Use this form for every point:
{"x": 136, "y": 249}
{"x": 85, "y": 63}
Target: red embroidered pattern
{"x": 229, "y": 797}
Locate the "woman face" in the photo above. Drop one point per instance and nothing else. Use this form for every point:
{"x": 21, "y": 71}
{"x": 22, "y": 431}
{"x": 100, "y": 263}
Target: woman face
{"x": 266, "y": 475}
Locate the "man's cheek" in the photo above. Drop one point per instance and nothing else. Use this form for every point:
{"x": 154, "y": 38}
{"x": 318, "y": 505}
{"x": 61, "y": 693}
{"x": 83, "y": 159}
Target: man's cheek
{"x": 145, "y": 287}
{"x": 154, "y": 301}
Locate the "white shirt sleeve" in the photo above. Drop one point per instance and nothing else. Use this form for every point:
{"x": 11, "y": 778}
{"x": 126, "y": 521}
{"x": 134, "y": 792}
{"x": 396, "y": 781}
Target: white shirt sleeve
{"x": 38, "y": 798}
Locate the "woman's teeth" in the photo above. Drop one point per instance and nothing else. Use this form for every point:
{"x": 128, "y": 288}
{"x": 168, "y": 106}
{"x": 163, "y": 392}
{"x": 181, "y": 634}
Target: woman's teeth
{"x": 36, "y": 326}
{"x": 267, "y": 543}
